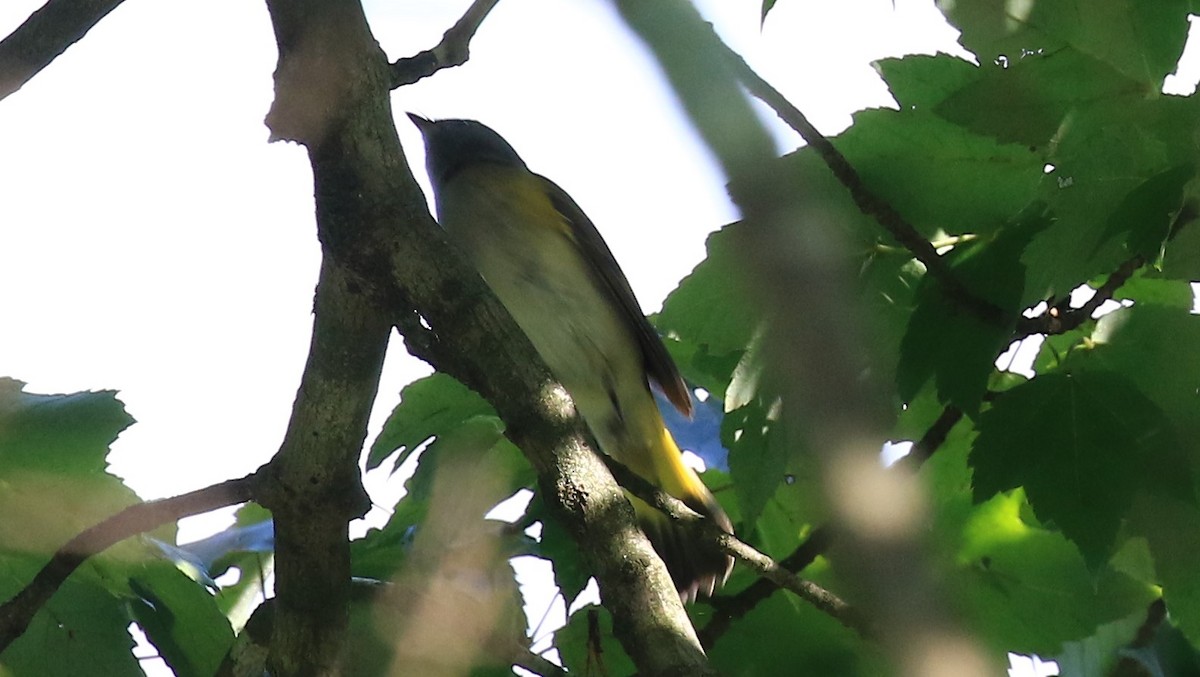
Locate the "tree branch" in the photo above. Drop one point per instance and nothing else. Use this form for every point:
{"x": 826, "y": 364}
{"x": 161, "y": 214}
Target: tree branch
{"x": 1061, "y": 318}
{"x": 868, "y": 202}
{"x": 704, "y": 530}
{"x": 933, "y": 438}
{"x": 332, "y": 96}
{"x": 47, "y": 33}
{"x": 726, "y": 610}
{"x": 453, "y": 50}
{"x": 18, "y": 612}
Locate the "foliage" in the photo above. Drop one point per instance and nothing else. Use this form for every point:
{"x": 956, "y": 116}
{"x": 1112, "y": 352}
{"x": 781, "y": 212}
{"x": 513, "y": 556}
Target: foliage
{"x": 1063, "y": 505}
{"x": 53, "y": 484}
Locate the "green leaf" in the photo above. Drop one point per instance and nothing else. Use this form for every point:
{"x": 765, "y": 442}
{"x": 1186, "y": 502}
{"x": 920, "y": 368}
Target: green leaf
{"x": 1025, "y": 100}
{"x": 80, "y": 631}
{"x": 1102, "y": 159}
{"x": 570, "y": 573}
{"x": 940, "y": 177}
{"x": 767, "y": 6}
{"x": 428, "y": 407}
{"x": 66, "y": 434}
{"x": 181, "y": 619}
{"x": 758, "y": 457}
{"x": 1079, "y": 443}
{"x": 1097, "y": 654}
{"x": 815, "y": 641}
{"x": 1181, "y": 260}
{"x": 710, "y": 309}
{"x": 1146, "y": 212}
{"x": 1142, "y": 40}
{"x": 588, "y": 647}
{"x": 53, "y": 484}
{"x": 1155, "y": 291}
{"x": 473, "y": 454}
{"x": 1157, "y": 348}
{"x": 1027, "y": 589}
{"x": 921, "y": 81}
{"x": 947, "y": 342}
{"x": 1172, "y": 528}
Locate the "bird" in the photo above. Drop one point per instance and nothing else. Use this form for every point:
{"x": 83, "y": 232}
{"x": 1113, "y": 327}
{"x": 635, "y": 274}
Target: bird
{"x": 548, "y": 265}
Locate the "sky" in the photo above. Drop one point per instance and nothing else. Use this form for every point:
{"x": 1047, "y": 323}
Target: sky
{"x": 152, "y": 242}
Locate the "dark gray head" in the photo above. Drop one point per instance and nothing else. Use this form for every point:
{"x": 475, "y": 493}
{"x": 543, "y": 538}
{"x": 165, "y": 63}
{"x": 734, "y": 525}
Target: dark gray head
{"x": 451, "y": 145}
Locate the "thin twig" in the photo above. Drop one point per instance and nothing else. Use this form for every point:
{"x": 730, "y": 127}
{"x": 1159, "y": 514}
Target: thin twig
{"x": 866, "y": 200}
{"x": 47, "y": 33}
{"x": 18, "y": 612}
{"x": 763, "y": 565}
{"x": 1061, "y": 318}
{"x": 536, "y": 664}
{"x": 933, "y": 438}
{"x": 453, "y": 50}
{"x": 726, "y": 610}
{"x": 730, "y": 609}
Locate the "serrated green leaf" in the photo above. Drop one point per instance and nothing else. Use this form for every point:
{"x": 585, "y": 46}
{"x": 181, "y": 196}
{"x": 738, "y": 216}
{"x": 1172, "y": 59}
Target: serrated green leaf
{"x": 477, "y": 453}
{"x": 429, "y": 407}
{"x": 57, "y": 433}
{"x": 1142, "y": 40}
{"x": 710, "y": 308}
{"x": 922, "y": 81}
{"x": 1107, "y": 151}
{"x": 939, "y": 176}
{"x": 1155, "y": 291}
{"x": 1080, "y": 445}
{"x": 1025, "y": 100}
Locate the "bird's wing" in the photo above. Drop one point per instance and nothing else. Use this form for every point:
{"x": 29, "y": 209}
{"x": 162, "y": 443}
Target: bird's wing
{"x": 659, "y": 365}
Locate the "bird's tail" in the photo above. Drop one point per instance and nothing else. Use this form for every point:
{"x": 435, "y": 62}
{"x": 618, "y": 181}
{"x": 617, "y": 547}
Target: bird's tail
{"x": 696, "y": 568}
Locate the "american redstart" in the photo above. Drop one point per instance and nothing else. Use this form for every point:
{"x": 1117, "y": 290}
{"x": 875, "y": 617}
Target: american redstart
{"x": 547, "y": 263}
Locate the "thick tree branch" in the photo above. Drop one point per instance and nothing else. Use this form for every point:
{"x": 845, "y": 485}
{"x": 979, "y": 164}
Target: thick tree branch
{"x": 47, "y": 33}
{"x": 453, "y": 50}
{"x": 325, "y": 92}
{"x": 332, "y": 95}
{"x": 16, "y": 613}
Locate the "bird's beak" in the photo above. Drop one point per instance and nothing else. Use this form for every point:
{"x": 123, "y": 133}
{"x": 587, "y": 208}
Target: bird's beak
{"x": 422, "y": 124}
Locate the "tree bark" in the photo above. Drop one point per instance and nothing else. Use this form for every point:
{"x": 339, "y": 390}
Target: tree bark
{"x": 388, "y": 257}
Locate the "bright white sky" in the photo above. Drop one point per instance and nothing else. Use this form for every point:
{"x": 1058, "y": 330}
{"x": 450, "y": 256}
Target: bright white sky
{"x": 152, "y": 241}
{"x": 155, "y": 244}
